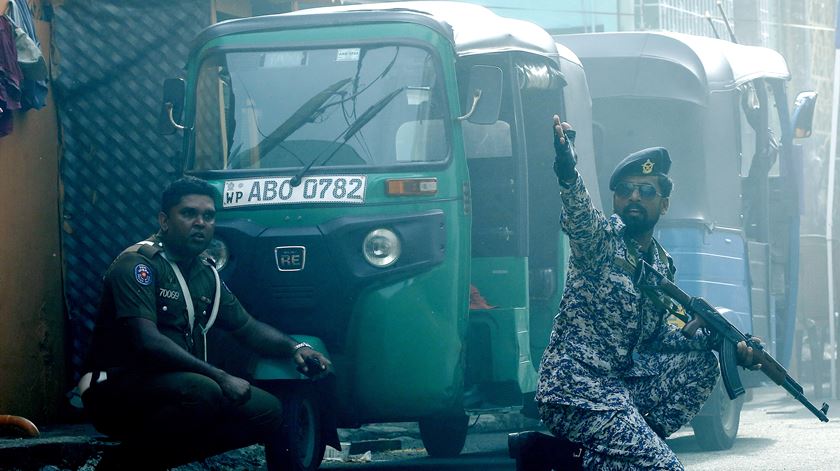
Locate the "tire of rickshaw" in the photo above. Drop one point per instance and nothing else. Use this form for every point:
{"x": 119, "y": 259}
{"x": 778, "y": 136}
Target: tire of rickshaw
{"x": 444, "y": 436}
{"x": 303, "y": 443}
{"x": 718, "y": 429}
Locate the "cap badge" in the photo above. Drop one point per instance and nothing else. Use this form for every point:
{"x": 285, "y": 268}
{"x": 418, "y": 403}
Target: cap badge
{"x": 647, "y": 167}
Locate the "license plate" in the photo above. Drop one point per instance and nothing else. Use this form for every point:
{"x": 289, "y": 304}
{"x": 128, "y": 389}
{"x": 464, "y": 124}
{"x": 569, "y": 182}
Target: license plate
{"x": 314, "y": 189}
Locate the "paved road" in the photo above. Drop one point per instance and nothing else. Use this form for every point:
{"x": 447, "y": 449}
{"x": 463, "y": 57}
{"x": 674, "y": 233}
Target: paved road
{"x": 776, "y": 434}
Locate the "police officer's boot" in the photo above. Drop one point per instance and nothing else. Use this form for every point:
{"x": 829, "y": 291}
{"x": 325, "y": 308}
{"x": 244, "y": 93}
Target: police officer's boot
{"x": 535, "y": 451}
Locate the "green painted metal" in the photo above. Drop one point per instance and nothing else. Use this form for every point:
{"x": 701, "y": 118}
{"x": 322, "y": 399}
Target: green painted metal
{"x": 503, "y": 281}
{"x": 413, "y": 332}
{"x": 542, "y": 311}
{"x": 510, "y": 355}
{"x": 276, "y": 368}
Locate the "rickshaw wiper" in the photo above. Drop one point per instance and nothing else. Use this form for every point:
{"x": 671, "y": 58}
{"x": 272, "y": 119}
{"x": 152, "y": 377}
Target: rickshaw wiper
{"x": 306, "y": 113}
{"x": 352, "y": 129}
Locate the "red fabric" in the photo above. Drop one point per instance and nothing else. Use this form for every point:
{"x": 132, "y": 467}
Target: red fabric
{"x": 477, "y": 301}
{"x": 10, "y": 76}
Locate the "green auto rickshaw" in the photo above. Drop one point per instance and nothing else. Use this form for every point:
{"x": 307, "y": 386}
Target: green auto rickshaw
{"x": 377, "y": 165}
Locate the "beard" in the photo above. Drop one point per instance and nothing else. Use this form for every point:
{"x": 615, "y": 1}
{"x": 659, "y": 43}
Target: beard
{"x": 639, "y": 222}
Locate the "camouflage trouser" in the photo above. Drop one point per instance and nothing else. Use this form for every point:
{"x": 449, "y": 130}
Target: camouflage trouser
{"x": 632, "y": 439}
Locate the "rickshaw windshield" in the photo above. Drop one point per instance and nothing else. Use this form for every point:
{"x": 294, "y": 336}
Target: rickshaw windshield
{"x": 379, "y": 106}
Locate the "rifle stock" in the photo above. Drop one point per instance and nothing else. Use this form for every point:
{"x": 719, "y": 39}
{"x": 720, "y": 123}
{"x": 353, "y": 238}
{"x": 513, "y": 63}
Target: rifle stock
{"x": 702, "y": 314}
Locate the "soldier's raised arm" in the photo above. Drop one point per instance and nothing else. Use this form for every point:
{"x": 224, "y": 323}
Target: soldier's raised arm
{"x": 584, "y": 224}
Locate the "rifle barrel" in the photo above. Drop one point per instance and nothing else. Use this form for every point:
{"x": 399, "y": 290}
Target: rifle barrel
{"x": 794, "y": 391}
{"x": 715, "y": 321}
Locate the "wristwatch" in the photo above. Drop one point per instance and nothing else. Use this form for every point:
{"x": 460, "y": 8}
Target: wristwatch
{"x": 301, "y": 345}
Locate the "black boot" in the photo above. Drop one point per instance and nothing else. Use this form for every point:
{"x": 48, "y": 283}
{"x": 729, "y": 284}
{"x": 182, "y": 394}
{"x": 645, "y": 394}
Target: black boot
{"x": 535, "y": 451}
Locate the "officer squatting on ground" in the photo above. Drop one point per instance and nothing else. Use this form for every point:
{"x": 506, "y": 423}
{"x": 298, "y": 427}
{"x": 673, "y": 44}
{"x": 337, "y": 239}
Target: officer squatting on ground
{"x": 617, "y": 378}
{"x": 148, "y": 376}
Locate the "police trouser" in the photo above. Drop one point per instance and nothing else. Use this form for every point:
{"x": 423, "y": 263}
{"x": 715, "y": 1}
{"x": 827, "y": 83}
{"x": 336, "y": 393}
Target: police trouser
{"x": 634, "y": 438}
{"x": 174, "y": 418}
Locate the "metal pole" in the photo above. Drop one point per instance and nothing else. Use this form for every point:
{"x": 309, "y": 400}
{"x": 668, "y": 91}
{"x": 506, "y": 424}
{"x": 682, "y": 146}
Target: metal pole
{"x": 829, "y": 216}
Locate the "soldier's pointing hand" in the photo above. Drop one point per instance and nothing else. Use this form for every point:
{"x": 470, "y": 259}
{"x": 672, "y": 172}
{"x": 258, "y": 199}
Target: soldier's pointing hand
{"x": 565, "y": 157}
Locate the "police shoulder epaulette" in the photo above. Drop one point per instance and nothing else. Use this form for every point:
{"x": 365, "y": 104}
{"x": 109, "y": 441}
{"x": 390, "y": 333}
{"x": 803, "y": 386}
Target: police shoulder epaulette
{"x": 148, "y": 248}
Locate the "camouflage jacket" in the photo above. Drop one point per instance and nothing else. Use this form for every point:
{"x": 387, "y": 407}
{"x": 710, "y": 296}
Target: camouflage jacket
{"x": 605, "y": 329}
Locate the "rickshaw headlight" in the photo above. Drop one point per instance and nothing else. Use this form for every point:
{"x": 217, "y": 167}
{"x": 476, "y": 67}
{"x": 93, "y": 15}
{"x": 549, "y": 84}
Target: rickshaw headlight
{"x": 218, "y": 251}
{"x": 381, "y": 248}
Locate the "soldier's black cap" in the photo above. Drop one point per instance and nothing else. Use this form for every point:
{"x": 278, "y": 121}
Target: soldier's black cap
{"x": 650, "y": 161}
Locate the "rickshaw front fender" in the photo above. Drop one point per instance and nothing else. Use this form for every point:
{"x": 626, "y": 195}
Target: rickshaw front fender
{"x": 269, "y": 369}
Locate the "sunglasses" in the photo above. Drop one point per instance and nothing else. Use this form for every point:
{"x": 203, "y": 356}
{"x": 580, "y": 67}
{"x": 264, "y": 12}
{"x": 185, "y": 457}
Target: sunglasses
{"x": 646, "y": 190}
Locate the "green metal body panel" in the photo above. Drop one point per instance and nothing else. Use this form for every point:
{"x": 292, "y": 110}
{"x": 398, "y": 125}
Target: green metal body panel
{"x": 542, "y": 311}
{"x": 276, "y": 368}
{"x": 408, "y": 349}
{"x": 503, "y": 281}
{"x": 510, "y": 355}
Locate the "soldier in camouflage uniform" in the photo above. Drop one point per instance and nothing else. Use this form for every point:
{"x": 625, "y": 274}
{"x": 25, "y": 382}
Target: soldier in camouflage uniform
{"x": 616, "y": 377}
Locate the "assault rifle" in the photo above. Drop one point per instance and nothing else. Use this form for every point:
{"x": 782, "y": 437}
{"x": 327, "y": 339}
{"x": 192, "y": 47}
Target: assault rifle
{"x": 701, "y": 314}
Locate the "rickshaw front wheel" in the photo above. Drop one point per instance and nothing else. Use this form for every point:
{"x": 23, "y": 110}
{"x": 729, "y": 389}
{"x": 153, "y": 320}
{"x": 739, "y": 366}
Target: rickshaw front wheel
{"x": 444, "y": 436}
{"x": 302, "y": 446}
{"x": 717, "y": 428}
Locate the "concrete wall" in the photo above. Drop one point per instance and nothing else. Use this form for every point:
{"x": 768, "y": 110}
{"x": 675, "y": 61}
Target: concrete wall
{"x": 32, "y": 368}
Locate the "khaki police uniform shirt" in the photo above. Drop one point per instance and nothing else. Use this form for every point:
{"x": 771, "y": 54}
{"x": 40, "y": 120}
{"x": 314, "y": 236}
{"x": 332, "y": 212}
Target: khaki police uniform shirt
{"x": 605, "y": 329}
{"x": 141, "y": 283}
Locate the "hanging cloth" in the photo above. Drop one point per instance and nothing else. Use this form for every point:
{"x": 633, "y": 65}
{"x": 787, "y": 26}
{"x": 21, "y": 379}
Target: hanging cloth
{"x": 33, "y": 65}
{"x": 10, "y": 76}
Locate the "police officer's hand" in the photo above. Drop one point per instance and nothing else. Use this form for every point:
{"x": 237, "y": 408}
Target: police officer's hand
{"x": 748, "y": 357}
{"x": 311, "y": 362}
{"x": 565, "y": 157}
{"x": 237, "y": 390}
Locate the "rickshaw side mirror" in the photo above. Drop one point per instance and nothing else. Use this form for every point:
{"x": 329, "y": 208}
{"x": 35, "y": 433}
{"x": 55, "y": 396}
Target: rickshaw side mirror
{"x": 172, "y": 106}
{"x": 485, "y": 100}
{"x": 803, "y": 114}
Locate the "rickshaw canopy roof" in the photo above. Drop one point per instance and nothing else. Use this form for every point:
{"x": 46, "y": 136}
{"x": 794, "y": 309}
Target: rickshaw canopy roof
{"x": 473, "y": 29}
{"x": 677, "y": 66}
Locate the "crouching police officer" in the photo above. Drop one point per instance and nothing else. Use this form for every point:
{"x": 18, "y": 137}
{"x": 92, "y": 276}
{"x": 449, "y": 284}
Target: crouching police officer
{"x": 616, "y": 377}
{"x": 149, "y": 383}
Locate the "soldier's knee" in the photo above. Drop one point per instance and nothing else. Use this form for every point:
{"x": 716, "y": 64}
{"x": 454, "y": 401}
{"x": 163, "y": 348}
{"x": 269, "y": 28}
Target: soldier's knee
{"x": 552, "y": 416}
{"x": 705, "y": 363}
{"x": 710, "y": 363}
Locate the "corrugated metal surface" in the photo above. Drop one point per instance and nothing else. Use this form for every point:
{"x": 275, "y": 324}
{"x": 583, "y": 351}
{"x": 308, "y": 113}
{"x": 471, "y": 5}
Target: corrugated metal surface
{"x": 112, "y": 57}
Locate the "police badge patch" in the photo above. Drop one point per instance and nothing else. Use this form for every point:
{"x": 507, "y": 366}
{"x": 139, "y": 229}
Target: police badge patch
{"x": 143, "y": 274}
